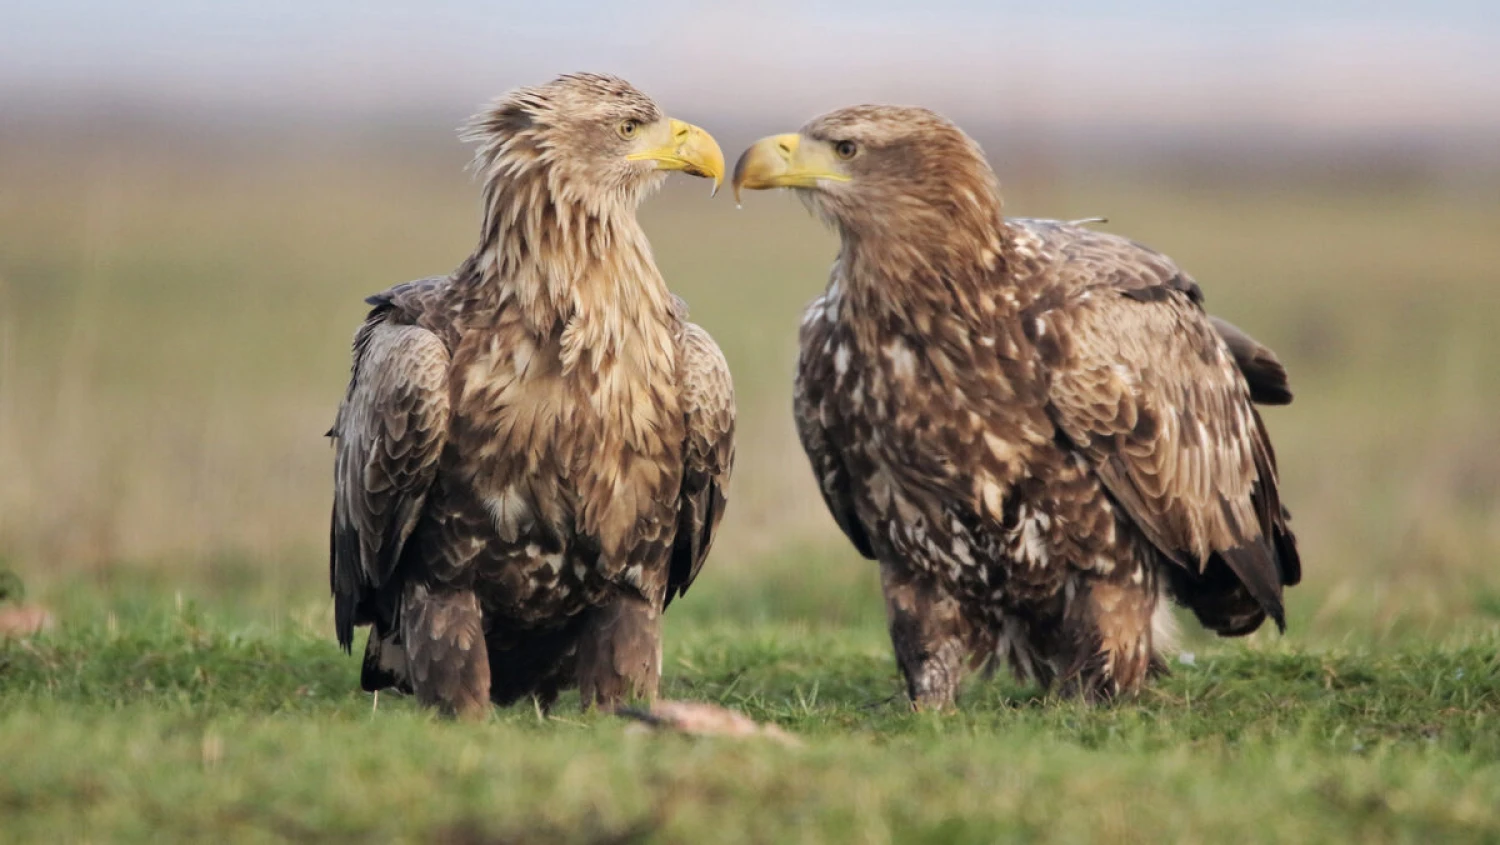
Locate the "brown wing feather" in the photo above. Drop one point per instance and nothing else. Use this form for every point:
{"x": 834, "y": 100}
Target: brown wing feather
{"x": 708, "y": 455}
{"x": 390, "y": 431}
{"x": 1142, "y": 384}
{"x": 810, "y": 405}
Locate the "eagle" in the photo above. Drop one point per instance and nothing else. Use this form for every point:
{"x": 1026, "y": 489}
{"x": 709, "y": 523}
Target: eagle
{"x": 533, "y": 452}
{"x": 1034, "y": 427}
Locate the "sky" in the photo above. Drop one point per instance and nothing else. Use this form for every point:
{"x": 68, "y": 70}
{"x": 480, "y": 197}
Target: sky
{"x": 1314, "y": 66}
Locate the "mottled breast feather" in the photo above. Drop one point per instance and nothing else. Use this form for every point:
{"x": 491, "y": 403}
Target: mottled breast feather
{"x": 816, "y": 376}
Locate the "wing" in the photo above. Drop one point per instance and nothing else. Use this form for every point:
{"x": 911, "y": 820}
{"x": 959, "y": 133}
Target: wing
{"x": 389, "y": 433}
{"x": 813, "y": 408}
{"x": 708, "y": 455}
{"x": 1143, "y": 385}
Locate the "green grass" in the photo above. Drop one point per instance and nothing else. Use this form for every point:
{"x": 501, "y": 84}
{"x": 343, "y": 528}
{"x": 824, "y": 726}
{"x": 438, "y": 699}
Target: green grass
{"x": 143, "y": 718}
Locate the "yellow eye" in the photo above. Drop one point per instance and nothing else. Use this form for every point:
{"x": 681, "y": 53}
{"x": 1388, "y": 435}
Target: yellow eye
{"x": 628, "y": 128}
{"x": 845, "y": 150}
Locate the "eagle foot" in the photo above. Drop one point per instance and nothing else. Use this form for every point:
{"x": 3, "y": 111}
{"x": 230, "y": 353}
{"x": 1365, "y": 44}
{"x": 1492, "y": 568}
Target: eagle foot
{"x": 936, "y": 645}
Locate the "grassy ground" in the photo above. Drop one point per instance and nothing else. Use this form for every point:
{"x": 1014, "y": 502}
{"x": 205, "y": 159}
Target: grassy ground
{"x": 174, "y": 337}
{"x": 148, "y": 718}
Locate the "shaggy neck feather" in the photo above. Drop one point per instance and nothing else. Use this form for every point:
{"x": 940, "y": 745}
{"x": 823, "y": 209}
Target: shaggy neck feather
{"x": 930, "y": 261}
{"x": 576, "y": 265}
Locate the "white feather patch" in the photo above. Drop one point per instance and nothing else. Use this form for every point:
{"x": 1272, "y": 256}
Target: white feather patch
{"x": 1033, "y": 528}
{"x": 903, "y": 360}
{"x": 993, "y": 496}
{"x": 510, "y": 511}
{"x": 1164, "y": 630}
{"x": 1003, "y": 450}
{"x": 841, "y": 359}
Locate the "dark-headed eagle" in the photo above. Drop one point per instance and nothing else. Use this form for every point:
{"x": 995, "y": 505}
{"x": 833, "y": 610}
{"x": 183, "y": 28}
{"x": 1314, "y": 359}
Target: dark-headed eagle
{"x": 533, "y": 452}
{"x": 1032, "y": 426}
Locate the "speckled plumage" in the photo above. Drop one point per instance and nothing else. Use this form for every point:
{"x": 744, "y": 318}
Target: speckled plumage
{"x": 533, "y": 452}
{"x": 1033, "y": 426}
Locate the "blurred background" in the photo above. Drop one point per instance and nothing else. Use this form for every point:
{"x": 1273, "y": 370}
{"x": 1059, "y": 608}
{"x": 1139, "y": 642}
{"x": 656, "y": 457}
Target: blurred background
{"x": 195, "y": 198}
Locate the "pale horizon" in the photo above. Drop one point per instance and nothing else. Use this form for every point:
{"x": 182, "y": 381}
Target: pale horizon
{"x": 1317, "y": 69}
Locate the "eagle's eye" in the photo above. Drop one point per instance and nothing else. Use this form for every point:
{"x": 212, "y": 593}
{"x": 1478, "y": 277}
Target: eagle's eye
{"x": 845, "y": 149}
{"x": 628, "y": 128}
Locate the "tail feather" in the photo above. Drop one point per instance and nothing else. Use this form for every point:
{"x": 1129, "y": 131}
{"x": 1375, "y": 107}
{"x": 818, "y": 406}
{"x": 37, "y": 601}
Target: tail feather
{"x": 1261, "y": 368}
{"x": 384, "y": 664}
{"x": 1255, "y": 567}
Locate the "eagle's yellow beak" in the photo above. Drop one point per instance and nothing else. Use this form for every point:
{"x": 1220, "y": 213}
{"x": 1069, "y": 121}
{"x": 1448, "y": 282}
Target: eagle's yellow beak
{"x": 689, "y": 149}
{"x": 786, "y": 161}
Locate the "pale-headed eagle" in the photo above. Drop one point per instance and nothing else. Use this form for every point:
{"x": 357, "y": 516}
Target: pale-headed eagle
{"x": 533, "y": 452}
{"x": 1032, "y": 426}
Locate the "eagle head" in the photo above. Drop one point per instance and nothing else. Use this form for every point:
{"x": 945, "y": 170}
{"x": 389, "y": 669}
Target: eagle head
{"x": 595, "y": 140}
{"x": 879, "y": 171}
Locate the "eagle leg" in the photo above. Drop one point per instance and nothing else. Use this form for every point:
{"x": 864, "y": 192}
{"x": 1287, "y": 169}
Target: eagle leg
{"x": 936, "y": 644}
{"x": 447, "y": 660}
{"x": 619, "y": 652}
{"x": 1109, "y": 632}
